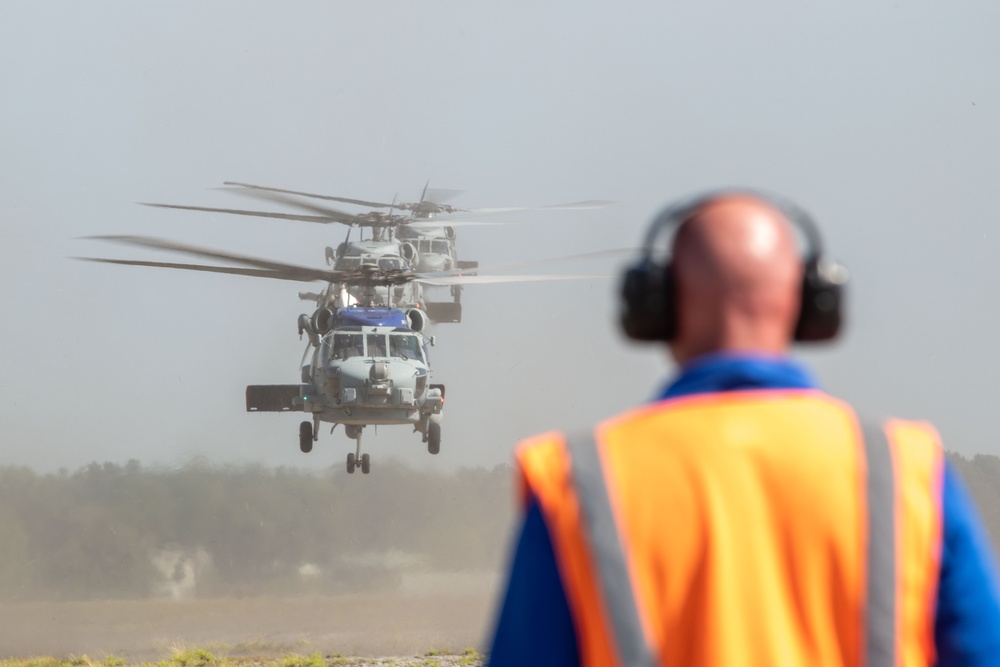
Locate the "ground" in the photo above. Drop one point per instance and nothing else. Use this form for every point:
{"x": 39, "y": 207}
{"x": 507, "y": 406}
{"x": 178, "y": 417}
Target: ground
{"x": 419, "y": 628}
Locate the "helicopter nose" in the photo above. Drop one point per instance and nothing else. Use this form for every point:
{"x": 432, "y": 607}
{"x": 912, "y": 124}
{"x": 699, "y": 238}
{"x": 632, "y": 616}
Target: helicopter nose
{"x": 379, "y": 372}
{"x": 437, "y": 263}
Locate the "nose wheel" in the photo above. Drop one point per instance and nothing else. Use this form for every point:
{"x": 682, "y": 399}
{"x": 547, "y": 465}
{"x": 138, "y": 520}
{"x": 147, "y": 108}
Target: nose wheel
{"x": 356, "y": 459}
{"x": 365, "y": 463}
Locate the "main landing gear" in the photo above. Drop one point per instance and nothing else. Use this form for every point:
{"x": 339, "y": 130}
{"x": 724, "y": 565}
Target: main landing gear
{"x": 356, "y": 459}
{"x": 432, "y": 436}
{"x": 307, "y": 437}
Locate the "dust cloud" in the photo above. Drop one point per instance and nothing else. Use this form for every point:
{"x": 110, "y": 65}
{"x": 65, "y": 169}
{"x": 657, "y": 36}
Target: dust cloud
{"x": 136, "y": 562}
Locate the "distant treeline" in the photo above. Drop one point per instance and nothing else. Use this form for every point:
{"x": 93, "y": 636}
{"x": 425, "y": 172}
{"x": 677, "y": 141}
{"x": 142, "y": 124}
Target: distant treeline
{"x": 982, "y": 476}
{"x": 112, "y": 531}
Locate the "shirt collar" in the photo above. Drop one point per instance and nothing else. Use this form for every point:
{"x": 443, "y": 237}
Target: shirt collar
{"x": 730, "y": 371}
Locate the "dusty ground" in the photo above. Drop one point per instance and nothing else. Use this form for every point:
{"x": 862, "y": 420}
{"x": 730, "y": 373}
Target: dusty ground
{"x": 375, "y": 624}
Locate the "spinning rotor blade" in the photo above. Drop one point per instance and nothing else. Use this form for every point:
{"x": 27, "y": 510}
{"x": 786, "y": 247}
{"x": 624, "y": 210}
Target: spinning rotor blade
{"x": 572, "y": 206}
{"x": 325, "y": 211}
{"x": 486, "y": 280}
{"x": 429, "y": 197}
{"x": 256, "y": 273}
{"x": 346, "y": 200}
{"x": 600, "y": 254}
{"x": 344, "y": 219}
{"x": 293, "y": 271}
{"x": 364, "y": 275}
{"x": 439, "y": 195}
{"x": 438, "y": 223}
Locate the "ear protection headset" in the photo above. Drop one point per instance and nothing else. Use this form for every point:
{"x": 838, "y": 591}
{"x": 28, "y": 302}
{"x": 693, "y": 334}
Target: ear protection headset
{"x": 649, "y": 306}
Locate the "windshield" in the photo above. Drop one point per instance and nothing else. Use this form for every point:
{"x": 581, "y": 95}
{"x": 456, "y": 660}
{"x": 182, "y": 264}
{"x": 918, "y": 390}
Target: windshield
{"x": 390, "y": 263}
{"x": 440, "y": 247}
{"x": 347, "y": 345}
{"x": 348, "y": 263}
{"x": 376, "y": 345}
{"x": 406, "y": 346}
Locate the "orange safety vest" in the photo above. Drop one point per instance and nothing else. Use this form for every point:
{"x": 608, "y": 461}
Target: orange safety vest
{"x": 745, "y": 528}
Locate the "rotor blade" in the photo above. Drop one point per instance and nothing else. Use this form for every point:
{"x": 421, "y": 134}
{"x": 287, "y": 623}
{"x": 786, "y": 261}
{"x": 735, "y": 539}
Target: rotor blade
{"x": 363, "y": 275}
{"x": 572, "y": 206}
{"x": 600, "y": 254}
{"x": 485, "y": 280}
{"x": 440, "y": 223}
{"x": 424, "y": 193}
{"x": 324, "y": 219}
{"x": 303, "y": 273}
{"x": 255, "y": 273}
{"x": 297, "y": 203}
{"x": 440, "y": 196}
{"x": 346, "y": 200}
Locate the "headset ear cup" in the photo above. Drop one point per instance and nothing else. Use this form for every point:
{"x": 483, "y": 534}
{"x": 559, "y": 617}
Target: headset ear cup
{"x": 821, "y": 310}
{"x": 648, "y": 308}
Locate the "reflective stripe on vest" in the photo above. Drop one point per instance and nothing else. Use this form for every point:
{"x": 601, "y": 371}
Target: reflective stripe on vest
{"x": 601, "y": 536}
{"x": 604, "y": 542}
{"x": 880, "y": 605}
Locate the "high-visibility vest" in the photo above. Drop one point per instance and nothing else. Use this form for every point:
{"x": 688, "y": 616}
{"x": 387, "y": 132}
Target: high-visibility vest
{"x": 745, "y": 528}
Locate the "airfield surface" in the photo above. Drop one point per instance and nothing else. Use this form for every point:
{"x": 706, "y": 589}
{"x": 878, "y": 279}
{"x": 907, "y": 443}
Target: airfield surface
{"x": 357, "y": 624}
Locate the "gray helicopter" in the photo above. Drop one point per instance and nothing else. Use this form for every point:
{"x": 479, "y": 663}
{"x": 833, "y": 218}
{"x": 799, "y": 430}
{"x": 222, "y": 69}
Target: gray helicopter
{"x": 421, "y": 238}
{"x": 351, "y": 256}
{"x": 369, "y": 367}
{"x": 370, "y": 363}
{"x": 382, "y": 247}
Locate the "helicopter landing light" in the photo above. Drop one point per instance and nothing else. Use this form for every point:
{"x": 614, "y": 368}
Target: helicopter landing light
{"x": 349, "y": 395}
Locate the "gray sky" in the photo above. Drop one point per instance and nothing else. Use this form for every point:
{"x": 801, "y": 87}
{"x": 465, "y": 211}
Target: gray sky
{"x": 881, "y": 118}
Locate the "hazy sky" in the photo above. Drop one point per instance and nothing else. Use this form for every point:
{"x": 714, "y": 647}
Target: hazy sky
{"x": 881, "y": 118}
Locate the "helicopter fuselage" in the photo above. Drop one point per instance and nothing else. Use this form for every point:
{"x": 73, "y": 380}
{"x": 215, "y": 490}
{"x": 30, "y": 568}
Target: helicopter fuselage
{"x": 364, "y": 375}
{"x": 385, "y": 255}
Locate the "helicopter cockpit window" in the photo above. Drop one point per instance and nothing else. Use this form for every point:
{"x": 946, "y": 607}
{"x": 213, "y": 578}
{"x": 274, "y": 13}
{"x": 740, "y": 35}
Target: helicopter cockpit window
{"x": 440, "y": 247}
{"x": 406, "y": 346}
{"x": 425, "y": 245}
{"x": 348, "y": 263}
{"x": 390, "y": 263}
{"x": 376, "y": 345}
{"x": 347, "y": 345}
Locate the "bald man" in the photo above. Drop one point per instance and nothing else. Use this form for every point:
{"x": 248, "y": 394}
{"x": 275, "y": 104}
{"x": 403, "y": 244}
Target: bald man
{"x": 725, "y": 524}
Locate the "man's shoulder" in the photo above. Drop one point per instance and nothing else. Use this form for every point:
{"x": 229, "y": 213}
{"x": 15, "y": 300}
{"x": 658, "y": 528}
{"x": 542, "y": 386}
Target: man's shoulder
{"x": 682, "y": 404}
{"x": 744, "y": 402}
{"x": 548, "y": 448}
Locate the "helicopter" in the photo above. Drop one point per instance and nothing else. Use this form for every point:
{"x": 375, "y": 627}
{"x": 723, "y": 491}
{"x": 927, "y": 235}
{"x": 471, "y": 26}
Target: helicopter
{"x": 369, "y": 367}
{"x": 425, "y": 242}
{"x": 370, "y": 362}
{"x": 381, "y": 247}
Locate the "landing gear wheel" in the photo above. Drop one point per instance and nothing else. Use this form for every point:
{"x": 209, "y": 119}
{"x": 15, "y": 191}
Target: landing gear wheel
{"x": 433, "y": 437}
{"x": 350, "y": 463}
{"x": 366, "y": 463}
{"x": 306, "y": 437}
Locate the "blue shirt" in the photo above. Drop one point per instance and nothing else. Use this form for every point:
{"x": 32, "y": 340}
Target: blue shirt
{"x": 534, "y": 625}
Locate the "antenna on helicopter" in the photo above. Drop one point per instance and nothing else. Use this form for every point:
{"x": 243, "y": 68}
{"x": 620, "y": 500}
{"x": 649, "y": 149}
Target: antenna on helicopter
{"x": 392, "y": 229}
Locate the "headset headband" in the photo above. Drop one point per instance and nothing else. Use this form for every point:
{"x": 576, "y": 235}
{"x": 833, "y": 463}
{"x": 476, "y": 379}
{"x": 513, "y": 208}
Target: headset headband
{"x": 677, "y": 214}
{"x": 649, "y": 309}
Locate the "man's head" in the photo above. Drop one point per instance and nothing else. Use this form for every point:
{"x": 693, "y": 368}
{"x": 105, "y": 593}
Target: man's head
{"x": 737, "y": 279}
{"x": 734, "y": 280}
